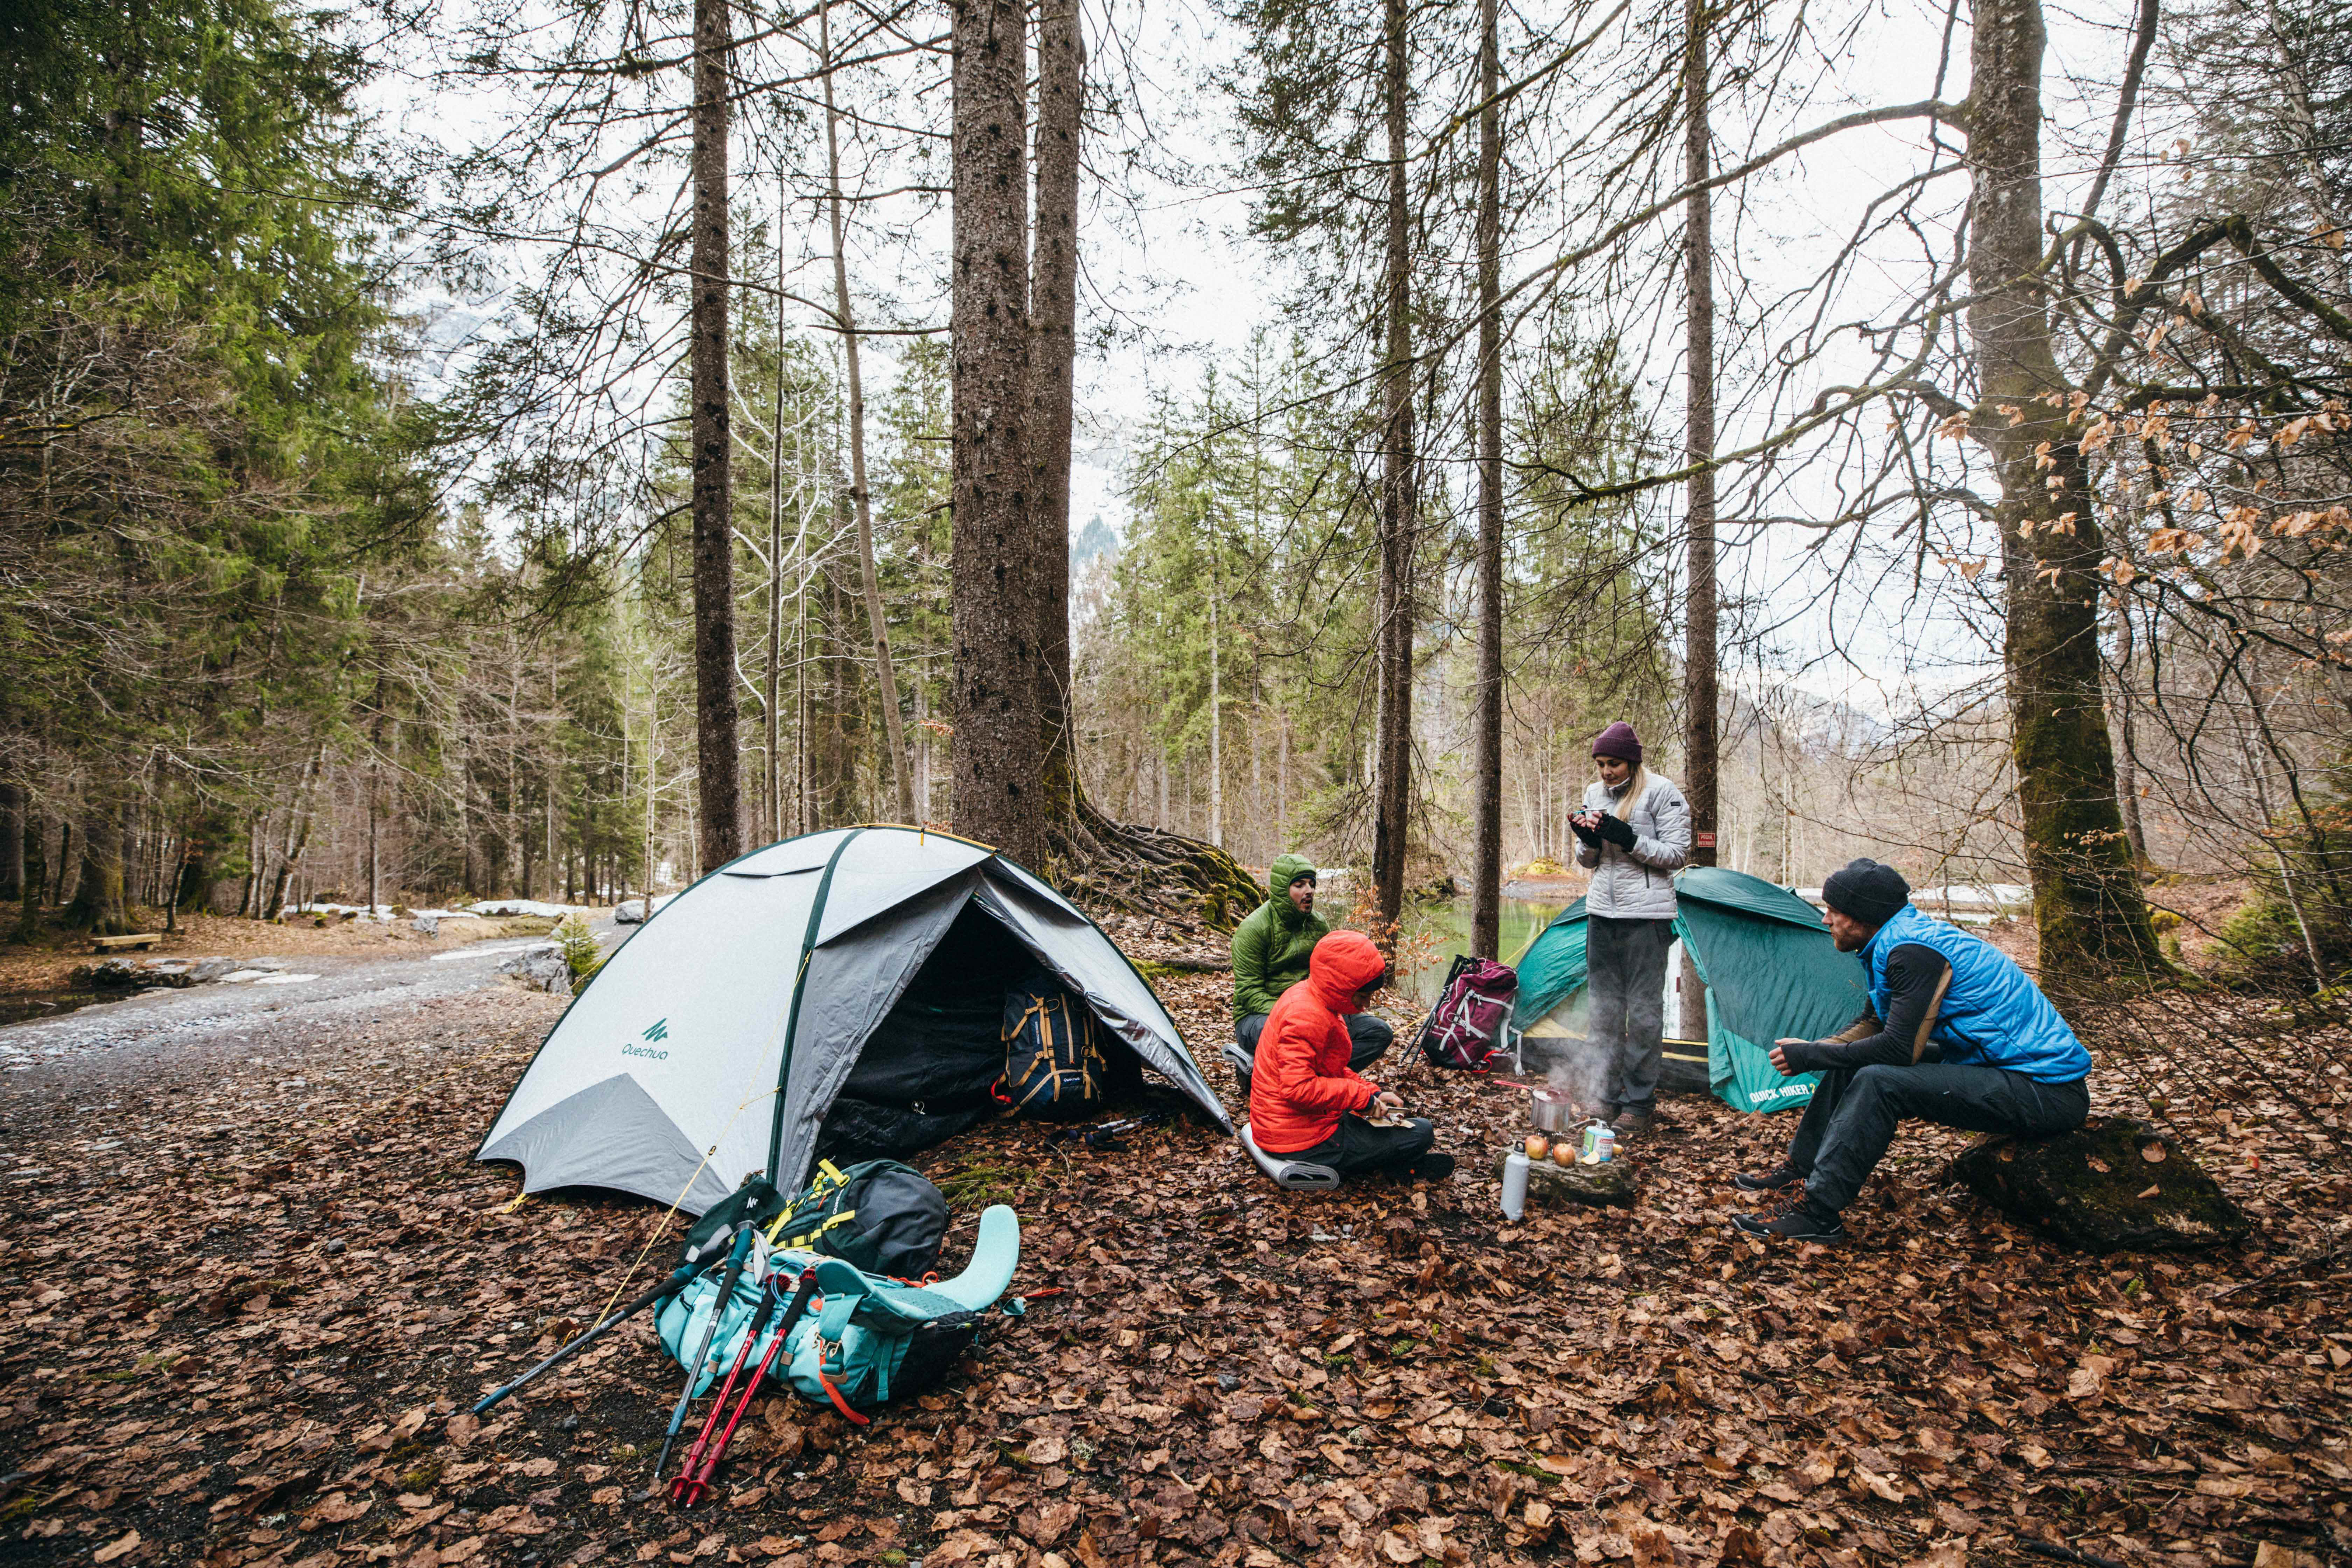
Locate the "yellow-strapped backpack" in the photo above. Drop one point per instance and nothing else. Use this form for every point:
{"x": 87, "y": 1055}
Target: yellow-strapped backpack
{"x": 885, "y": 1217}
{"x": 1054, "y": 1069}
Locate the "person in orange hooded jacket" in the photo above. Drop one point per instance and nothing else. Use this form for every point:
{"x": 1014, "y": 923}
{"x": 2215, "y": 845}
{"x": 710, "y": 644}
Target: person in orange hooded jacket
{"x": 1306, "y": 1102}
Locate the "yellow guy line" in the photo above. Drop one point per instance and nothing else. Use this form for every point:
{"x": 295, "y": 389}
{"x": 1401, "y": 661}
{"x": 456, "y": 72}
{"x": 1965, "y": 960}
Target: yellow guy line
{"x": 662, "y": 1222}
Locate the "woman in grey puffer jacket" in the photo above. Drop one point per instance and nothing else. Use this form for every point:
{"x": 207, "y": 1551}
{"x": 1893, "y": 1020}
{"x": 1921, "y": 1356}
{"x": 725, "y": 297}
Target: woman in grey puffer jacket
{"x": 1634, "y": 834}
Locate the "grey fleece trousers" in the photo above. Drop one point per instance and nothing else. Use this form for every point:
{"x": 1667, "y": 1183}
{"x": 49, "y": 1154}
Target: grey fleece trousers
{"x": 1626, "y": 961}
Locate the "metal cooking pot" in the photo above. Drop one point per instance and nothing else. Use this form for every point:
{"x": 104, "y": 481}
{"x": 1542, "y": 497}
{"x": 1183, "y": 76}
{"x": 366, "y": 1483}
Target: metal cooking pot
{"x": 1551, "y": 1110}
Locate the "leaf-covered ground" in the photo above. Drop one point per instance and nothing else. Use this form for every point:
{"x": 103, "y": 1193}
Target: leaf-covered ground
{"x": 245, "y": 1297}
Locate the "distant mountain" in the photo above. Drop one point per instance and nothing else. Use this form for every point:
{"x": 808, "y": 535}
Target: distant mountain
{"x": 1094, "y": 540}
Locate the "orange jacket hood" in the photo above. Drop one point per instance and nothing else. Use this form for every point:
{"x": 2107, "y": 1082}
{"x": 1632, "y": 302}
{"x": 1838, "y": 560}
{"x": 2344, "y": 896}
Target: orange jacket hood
{"x": 1342, "y": 964}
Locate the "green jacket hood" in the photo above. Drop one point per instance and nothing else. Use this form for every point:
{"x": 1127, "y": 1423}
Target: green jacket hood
{"x": 1287, "y": 869}
{"x": 1271, "y": 948}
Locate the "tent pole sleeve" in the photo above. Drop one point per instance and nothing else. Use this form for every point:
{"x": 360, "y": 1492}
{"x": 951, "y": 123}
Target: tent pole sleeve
{"x": 800, "y": 984}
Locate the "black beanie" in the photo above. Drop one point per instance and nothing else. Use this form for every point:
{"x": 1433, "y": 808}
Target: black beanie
{"x": 1868, "y": 891}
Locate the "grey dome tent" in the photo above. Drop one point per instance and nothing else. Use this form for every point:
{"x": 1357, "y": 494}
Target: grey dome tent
{"x": 734, "y": 1019}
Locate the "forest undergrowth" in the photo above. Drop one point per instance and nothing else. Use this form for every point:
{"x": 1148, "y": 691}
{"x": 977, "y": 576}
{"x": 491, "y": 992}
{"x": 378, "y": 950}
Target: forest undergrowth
{"x": 247, "y": 1299}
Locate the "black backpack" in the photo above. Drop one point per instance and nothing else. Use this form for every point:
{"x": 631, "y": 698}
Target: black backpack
{"x": 879, "y": 1217}
{"x": 1054, "y": 1069}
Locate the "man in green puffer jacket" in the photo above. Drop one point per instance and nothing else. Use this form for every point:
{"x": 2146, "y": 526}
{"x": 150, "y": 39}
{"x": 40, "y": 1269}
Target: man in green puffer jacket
{"x": 1270, "y": 952}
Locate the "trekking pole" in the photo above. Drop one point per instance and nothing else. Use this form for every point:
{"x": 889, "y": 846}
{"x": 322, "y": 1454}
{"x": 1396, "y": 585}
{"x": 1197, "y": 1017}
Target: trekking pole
{"x": 700, "y": 1487}
{"x": 719, "y": 1405}
{"x": 697, "y": 1261}
{"x": 735, "y": 1257}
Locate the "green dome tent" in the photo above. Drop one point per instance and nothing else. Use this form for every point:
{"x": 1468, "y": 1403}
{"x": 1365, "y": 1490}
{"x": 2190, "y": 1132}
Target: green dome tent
{"x": 1770, "y": 969}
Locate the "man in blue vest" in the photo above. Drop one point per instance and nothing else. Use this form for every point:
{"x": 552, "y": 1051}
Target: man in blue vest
{"x": 1956, "y": 1034}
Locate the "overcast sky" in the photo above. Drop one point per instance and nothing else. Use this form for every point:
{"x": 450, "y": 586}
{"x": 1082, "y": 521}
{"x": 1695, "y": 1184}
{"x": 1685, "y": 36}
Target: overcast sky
{"x": 1173, "y": 271}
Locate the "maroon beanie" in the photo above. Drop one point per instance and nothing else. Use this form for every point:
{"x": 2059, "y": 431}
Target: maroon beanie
{"x": 1619, "y": 741}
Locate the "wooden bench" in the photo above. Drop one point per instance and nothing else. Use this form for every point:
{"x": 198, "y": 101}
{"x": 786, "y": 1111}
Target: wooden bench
{"x": 111, "y": 943}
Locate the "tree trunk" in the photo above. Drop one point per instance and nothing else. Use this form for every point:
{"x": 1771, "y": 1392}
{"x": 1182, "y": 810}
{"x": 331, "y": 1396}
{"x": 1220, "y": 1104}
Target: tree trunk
{"x": 922, "y": 750}
{"x": 99, "y": 904}
{"x": 2128, "y": 754}
{"x": 1282, "y": 784}
{"x": 653, "y": 785}
{"x": 885, "y": 680}
{"x": 801, "y": 822}
{"x": 1699, "y": 656}
{"x": 515, "y": 844}
{"x": 36, "y": 871}
{"x": 248, "y": 903}
{"x": 1257, "y": 767}
{"x": 1486, "y": 759}
{"x": 33, "y": 845}
{"x": 465, "y": 881}
{"x": 168, "y": 895}
{"x": 998, "y": 675}
{"x": 2086, "y": 897}
{"x": 1392, "y": 778}
{"x": 1016, "y": 775}
{"x": 375, "y": 801}
{"x": 774, "y": 773}
{"x": 1053, "y": 354}
{"x": 1216, "y": 707}
{"x": 298, "y": 836}
{"x": 1699, "y": 699}
{"x": 842, "y": 720}
{"x": 13, "y": 819}
{"x": 375, "y": 862}
{"x": 717, "y": 745}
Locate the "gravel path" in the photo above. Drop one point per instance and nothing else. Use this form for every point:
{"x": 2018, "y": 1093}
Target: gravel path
{"x": 318, "y": 995}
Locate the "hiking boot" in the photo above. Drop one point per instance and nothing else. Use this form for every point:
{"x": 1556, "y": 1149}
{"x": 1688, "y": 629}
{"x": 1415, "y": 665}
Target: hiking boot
{"x": 1634, "y": 1123}
{"x": 1802, "y": 1220}
{"x": 1780, "y": 1178}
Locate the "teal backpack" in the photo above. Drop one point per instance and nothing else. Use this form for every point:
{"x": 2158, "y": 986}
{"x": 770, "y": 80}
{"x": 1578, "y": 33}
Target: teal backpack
{"x": 865, "y": 1338}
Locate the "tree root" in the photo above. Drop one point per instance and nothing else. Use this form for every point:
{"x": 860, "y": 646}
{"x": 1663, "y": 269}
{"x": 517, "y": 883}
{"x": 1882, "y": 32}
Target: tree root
{"x": 1099, "y": 864}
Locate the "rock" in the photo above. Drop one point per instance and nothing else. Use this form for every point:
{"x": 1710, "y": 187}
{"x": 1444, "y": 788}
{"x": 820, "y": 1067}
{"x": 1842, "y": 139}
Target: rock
{"x": 540, "y": 968}
{"x": 181, "y": 973}
{"x": 629, "y": 912}
{"x": 107, "y": 974}
{"x": 2114, "y": 1186}
{"x": 1609, "y": 1184}
{"x": 428, "y": 925}
{"x": 522, "y": 907}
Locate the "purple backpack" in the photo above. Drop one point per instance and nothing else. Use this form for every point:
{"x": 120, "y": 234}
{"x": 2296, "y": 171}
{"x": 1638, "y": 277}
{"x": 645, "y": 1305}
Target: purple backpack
{"x": 1467, "y": 1026}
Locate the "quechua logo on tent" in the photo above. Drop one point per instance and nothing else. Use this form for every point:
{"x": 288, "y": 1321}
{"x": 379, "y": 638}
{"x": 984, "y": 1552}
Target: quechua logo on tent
{"x": 658, "y": 1030}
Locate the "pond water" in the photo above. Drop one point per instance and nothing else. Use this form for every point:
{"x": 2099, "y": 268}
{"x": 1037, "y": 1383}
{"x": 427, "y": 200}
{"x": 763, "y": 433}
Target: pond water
{"x": 1434, "y": 933}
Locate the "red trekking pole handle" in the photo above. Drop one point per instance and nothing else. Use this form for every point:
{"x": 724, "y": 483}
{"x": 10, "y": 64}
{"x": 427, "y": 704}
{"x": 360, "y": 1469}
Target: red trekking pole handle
{"x": 743, "y": 1354}
{"x": 692, "y": 1483}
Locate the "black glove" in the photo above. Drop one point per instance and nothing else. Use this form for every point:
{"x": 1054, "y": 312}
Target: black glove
{"x": 1591, "y": 839}
{"x": 1617, "y": 830}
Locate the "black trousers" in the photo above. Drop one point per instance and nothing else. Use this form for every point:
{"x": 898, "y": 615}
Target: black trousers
{"x": 1854, "y": 1113}
{"x": 1370, "y": 1037}
{"x": 1356, "y": 1145}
